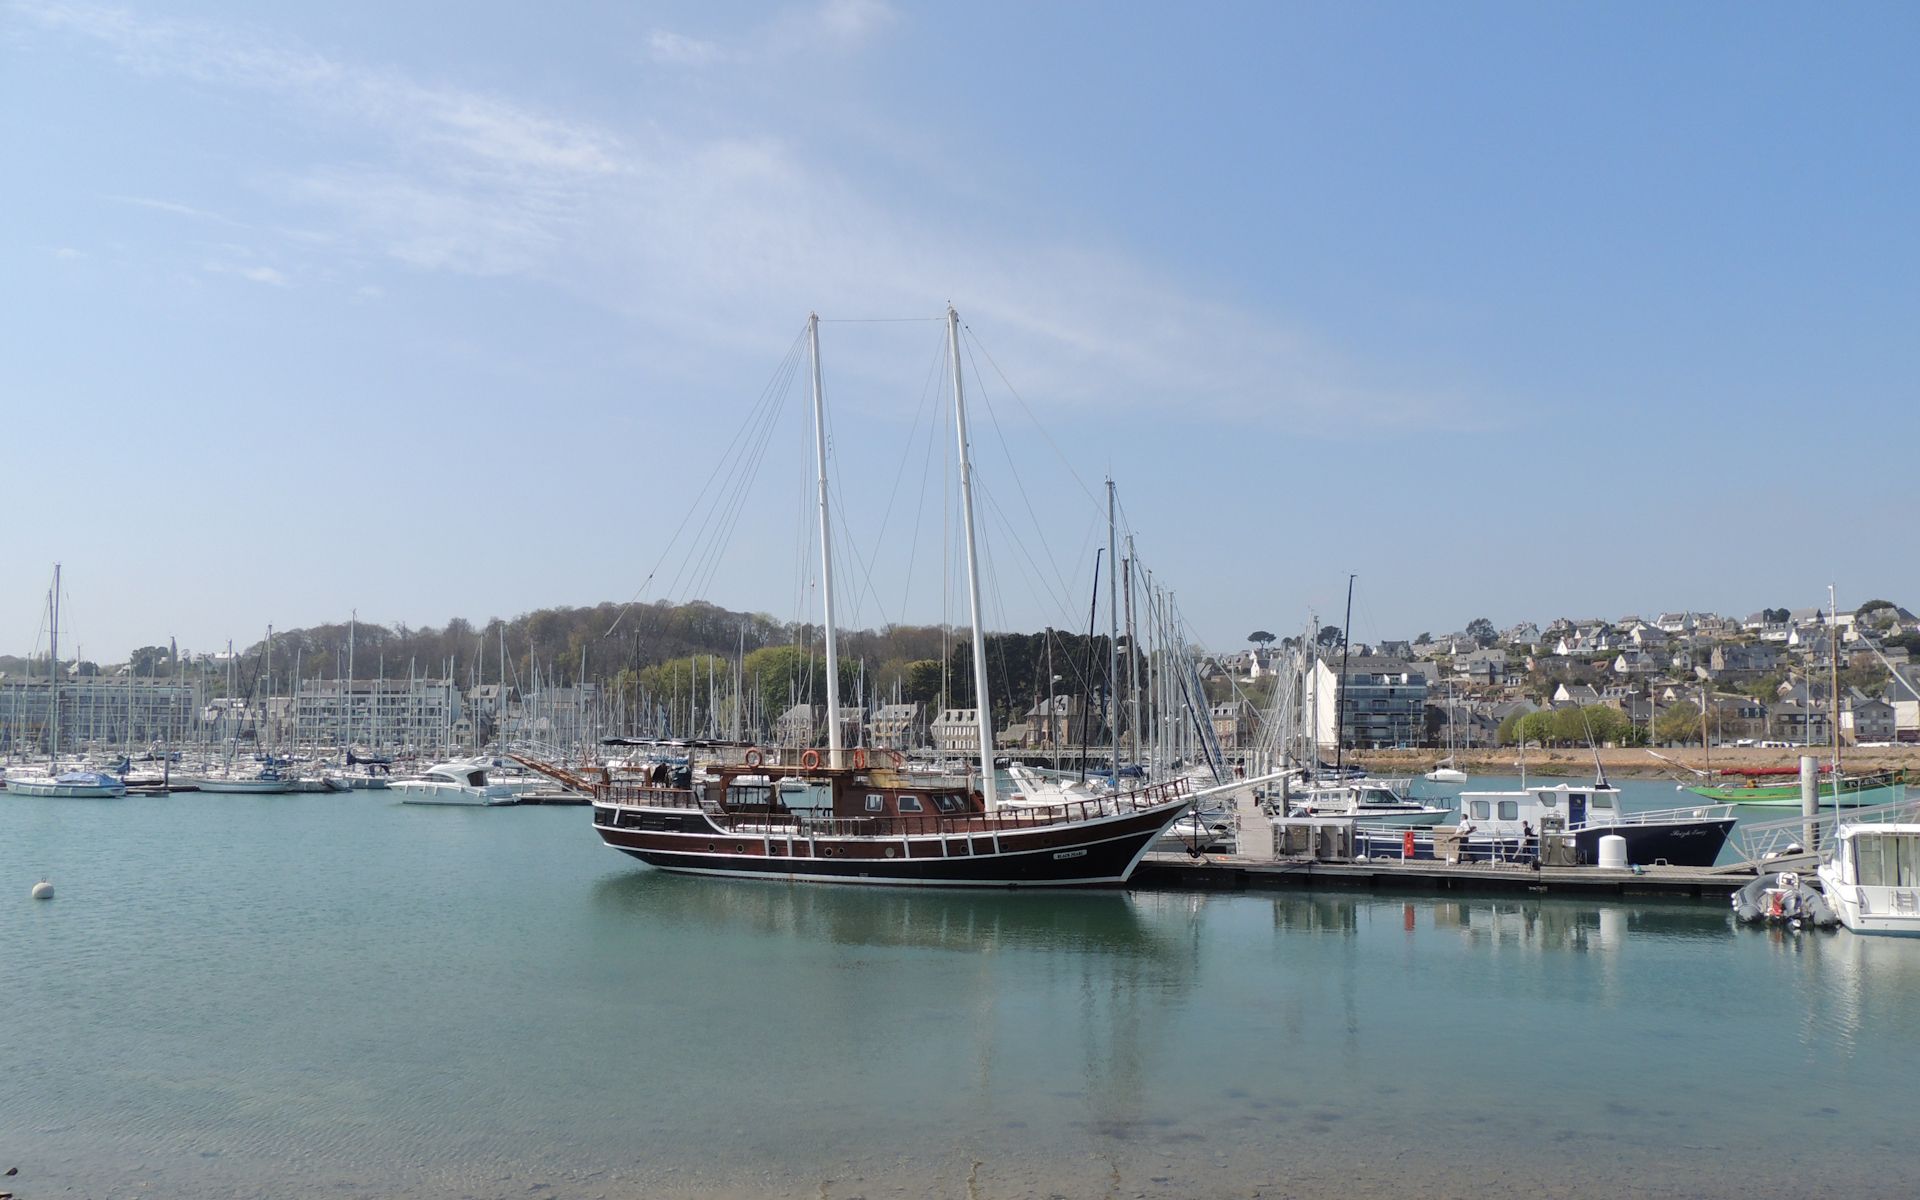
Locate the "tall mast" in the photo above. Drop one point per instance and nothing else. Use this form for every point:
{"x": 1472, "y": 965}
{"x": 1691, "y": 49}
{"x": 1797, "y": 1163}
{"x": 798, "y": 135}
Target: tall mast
{"x": 983, "y": 713}
{"x": 346, "y": 686}
{"x": 1340, "y": 693}
{"x": 1833, "y": 663}
{"x": 1133, "y": 663}
{"x": 826, "y": 546}
{"x": 53, "y": 655}
{"x": 1113, "y": 636}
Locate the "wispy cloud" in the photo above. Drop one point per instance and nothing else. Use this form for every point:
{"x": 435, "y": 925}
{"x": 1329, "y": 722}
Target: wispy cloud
{"x": 699, "y": 239}
{"x": 253, "y": 274}
{"x": 665, "y": 46}
{"x": 834, "y": 25}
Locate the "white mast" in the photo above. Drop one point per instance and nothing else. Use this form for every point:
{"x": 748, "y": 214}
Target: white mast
{"x": 983, "y": 711}
{"x": 826, "y": 547}
{"x": 1113, "y": 638}
{"x": 53, "y": 654}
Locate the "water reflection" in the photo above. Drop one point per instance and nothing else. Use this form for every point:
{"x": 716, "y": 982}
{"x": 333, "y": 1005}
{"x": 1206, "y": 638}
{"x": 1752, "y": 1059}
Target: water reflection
{"x": 1537, "y": 923}
{"x": 1108, "y": 923}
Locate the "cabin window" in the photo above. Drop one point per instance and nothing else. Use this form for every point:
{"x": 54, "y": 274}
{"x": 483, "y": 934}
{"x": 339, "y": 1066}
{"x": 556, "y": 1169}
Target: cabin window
{"x": 1482, "y": 810}
{"x": 910, "y": 804}
{"x": 477, "y": 779}
{"x": 876, "y": 803}
{"x": 1887, "y": 861}
{"x": 1509, "y": 810}
{"x": 1548, "y": 799}
{"x": 1602, "y": 801}
{"x": 947, "y": 804}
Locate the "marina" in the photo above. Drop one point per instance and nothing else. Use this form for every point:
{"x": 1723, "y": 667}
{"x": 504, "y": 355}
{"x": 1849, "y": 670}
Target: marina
{"x": 543, "y": 658}
{"x": 421, "y": 1018}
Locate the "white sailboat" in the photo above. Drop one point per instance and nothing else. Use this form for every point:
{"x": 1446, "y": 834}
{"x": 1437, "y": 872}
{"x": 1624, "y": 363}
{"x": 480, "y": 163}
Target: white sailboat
{"x": 1445, "y": 771}
{"x": 54, "y": 782}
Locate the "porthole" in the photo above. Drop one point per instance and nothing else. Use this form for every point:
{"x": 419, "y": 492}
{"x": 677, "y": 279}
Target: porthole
{"x": 889, "y": 851}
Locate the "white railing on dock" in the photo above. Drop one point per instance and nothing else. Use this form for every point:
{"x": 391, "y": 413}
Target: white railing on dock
{"x": 1762, "y": 840}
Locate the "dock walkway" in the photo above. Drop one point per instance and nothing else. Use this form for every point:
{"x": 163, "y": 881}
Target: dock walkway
{"x": 1243, "y": 872}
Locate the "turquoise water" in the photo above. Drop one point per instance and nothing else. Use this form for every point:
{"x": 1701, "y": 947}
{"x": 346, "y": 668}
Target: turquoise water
{"x": 342, "y": 996}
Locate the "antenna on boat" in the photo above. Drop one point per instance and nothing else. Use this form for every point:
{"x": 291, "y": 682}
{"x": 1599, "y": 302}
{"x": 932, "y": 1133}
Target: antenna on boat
{"x": 983, "y": 714}
{"x": 826, "y": 546}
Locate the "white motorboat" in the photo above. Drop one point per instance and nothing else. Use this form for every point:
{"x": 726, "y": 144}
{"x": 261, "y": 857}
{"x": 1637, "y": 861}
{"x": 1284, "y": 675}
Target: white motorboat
{"x": 1872, "y": 878}
{"x": 1035, "y": 790}
{"x": 459, "y": 782}
{"x": 69, "y": 784}
{"x": 1368, "y": 802}
{"x": 1197, "y": 833}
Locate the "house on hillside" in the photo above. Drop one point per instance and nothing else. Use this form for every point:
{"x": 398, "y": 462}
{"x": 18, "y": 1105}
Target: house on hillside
{"x": 800, "y": 725}
{"x": 898, "y": 727}
{"x": 957, "y": 731}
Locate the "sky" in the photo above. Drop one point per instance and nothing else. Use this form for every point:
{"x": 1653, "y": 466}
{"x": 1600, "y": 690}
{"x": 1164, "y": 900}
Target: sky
{"x": 467, "y": 309}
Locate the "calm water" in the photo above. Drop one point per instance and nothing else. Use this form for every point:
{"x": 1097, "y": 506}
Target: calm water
{"x": 323, "y": 996}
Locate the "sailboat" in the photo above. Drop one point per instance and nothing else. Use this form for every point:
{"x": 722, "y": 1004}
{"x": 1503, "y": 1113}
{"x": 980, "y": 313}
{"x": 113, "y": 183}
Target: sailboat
{"x": 882, "y": 824}
{"x": 1445, "y": 771}
{"x": 57, "y": 783}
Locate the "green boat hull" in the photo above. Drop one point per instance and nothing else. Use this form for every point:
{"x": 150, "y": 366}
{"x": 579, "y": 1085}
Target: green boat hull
{"x": 1853, "y": 793}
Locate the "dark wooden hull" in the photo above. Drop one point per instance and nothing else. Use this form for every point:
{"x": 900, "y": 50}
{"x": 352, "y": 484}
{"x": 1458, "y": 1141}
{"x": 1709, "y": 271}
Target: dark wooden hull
{"x": 1102, "y": 851}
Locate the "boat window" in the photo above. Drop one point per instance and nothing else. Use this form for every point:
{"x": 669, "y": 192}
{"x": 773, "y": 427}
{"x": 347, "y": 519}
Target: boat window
{"x": 477, "y": 779}
{"x": 1884, "y": 860}
{"x": 910, "y": 804}
{"x": 1548, "y": 800}
{"x": 1509, "y": 810}
{"x": 1600, "y": 801}
{"x": 1482, "y": 810}
{"x": 876, "y": 803}
{"x": 947, "y": 804}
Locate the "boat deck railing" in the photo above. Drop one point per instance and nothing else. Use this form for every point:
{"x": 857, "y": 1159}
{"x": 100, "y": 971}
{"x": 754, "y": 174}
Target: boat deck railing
{"x": 1658, "y": 816}
{"x": 803, "y": 823}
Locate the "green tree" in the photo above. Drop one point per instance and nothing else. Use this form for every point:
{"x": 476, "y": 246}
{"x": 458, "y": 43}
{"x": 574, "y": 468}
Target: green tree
{"x": 1679, "y": 724}
{"x": 1482, "y": 632}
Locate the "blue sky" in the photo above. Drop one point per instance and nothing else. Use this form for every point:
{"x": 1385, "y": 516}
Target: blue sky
{"x": 448, "y": 308}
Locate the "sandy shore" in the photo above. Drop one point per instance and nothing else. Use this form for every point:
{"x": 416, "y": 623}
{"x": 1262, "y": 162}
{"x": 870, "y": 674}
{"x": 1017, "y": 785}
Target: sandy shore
{"x": 1631, "y": 764}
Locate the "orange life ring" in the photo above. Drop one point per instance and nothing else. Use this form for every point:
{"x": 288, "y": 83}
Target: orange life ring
{"x": 859, "y": 758}
{"x": 753, "y": 757}
{"x": 810, "y": 759}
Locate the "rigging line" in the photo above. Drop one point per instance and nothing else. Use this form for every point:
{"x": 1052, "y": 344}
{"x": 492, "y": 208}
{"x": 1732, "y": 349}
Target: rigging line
{"x": 993, "y": 418}
{"x": 744, "y": 481}
{"x": 994, "y": 504}
{"x": 892, "y": 495}
{"x": 936, "y": 427}
{"x": 879, "y": 320}
{"x": 765, "y": 409}
{"x": 1015, "y": 392}
{"x": 792, "y": 353}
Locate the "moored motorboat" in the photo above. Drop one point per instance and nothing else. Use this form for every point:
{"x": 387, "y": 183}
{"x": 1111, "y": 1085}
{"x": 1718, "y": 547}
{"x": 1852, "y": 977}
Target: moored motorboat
{"x": 1513, "y": 824}
{"x": 460, "y": 782}
{"x": 1368, "y": 802}
{"x": 1871, "y": 877}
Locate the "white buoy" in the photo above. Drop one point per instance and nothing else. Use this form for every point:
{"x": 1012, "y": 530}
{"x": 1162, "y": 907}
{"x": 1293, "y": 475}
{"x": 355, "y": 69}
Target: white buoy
{"x": 1613, "y": 852}
{"x": 43, "y": 890}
